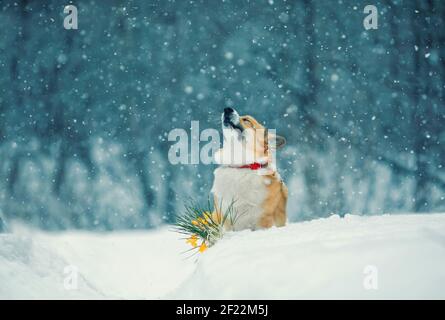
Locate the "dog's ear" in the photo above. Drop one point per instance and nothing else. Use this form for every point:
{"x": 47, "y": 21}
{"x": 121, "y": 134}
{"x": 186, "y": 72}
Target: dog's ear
{"x": 277, "y": 141}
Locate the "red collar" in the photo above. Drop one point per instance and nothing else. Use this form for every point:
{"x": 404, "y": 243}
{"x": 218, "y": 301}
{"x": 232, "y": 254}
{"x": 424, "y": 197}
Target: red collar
{"x": 253, "y": 166}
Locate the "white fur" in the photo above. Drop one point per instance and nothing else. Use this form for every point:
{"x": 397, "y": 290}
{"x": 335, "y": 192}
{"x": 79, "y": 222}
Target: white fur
{"x": 235, "y": 151}
{"x": 246, "y": 189}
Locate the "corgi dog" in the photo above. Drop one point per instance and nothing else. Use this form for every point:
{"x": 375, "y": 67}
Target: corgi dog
{"x": 247, "y": 180}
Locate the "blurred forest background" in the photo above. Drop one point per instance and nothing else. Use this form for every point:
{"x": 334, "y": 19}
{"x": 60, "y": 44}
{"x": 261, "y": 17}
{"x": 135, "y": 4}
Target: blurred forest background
{"x": 84, "y": 114}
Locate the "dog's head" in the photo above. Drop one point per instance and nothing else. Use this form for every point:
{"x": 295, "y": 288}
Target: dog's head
{"x": 246, "y": 140}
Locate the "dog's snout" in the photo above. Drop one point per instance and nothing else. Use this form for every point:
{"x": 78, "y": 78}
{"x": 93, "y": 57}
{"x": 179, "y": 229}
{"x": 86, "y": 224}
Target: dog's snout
{"x": 227, "y": 115}
{"x": 228, "y": 111}
{"x": 230, "y": 117}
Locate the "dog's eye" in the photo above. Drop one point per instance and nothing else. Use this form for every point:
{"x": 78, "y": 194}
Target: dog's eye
{"x": 247, "y": 122}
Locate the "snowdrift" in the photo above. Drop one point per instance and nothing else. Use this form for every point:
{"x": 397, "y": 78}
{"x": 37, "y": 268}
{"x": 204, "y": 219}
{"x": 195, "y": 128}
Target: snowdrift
{"x": 129, "y": 265}
{"x": 327, "y": 259}
{"x": 324, "y": 258}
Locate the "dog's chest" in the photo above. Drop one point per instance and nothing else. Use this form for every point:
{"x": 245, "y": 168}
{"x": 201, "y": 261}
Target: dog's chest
{"x": 245, "y": 189}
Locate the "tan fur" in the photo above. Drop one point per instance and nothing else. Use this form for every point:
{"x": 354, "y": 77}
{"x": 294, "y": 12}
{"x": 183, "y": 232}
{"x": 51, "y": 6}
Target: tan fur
{"x": 261, "y": 146}
{"x": 273, "y": 206}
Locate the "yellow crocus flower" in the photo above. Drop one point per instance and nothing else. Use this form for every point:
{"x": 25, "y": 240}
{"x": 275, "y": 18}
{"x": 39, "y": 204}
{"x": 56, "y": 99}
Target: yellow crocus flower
{"x": 203, "y": 247}
{"x": 193, "y": 241}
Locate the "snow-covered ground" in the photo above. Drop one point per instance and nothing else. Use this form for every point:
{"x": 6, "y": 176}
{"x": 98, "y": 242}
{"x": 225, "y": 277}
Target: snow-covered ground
{"x": 393, "y": 256}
